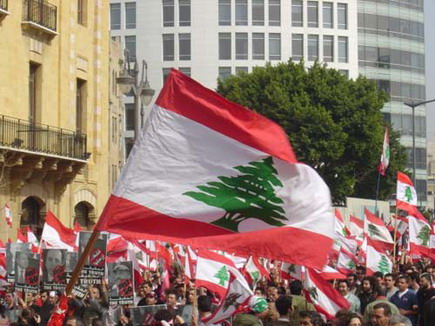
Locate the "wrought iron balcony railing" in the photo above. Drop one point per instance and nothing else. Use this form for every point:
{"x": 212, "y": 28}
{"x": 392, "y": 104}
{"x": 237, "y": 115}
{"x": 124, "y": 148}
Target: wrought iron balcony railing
{"x": 20, "y": 134}
{"x": 40, "y": 12}
{"x": 4, "y": 5}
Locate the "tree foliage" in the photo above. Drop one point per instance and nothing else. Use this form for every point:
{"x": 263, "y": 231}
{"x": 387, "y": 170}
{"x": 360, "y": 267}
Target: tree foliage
{"x": 334, "y": 124}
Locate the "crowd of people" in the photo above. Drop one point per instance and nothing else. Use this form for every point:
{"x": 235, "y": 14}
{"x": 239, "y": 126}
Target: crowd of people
{"x": 405, "y": 298}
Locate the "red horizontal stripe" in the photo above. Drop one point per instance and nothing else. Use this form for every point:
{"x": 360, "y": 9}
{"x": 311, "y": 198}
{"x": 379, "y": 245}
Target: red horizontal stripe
{"x": 186, "y": 97}
{"x": 289, "y": 244}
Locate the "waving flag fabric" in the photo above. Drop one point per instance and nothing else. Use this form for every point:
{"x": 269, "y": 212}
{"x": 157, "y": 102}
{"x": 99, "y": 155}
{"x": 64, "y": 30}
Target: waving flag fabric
{"x": 376, "y": 230}
{"x": 322, "y": 295}
{"x": 356, "y": 227}
{"x": 419, "y": 235}
{"x": 406, "y": 196}
{"x": 237, "y": 295}
{"x": 56, "y": 235}
{"x": 377, "y": 259}
{"x": 8, "y": 215}
{"x": 255, "y": 270}
{"x": 385, "y": 157}
{"x": 212, "y": 174}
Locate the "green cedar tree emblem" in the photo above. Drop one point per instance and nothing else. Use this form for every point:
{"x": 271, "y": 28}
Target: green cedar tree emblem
{"x": 424, "y": 235}
{"x": 255, "y": 276}
{"x": 387, "y": 152}
{"x": 313, "y": 293}
{"x": 231, "y": 300}
{"x": 222, "y": 275}
{"x": 250, "y": 194}
{"x": 408, "y": 194}
{"x": 384, "y": 265}
{"x": 343, "y": 231}
{"x": 351, "y": 264}
{"x": 373, "y": 230}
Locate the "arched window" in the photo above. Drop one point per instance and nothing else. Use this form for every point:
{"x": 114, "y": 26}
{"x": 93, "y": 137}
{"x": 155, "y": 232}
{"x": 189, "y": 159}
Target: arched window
{"x": 33, "y": 214}
{"x": 84, "y": 214}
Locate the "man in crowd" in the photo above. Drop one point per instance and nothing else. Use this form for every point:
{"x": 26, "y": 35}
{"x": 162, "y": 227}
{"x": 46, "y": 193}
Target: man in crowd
{"x": 424, "y": 294}
{"x": 367, "y": 293}
{"x": 405, "y": 299}
{"x": 299, "y": 302}
{"x": 381, "y": 314}
{"x": 389, "y": 285}
{"x": 343, "y": 288}
{"x": 381, "y": 298}
{"x": 351, "y": 281}
{"x": 310, "y": 318}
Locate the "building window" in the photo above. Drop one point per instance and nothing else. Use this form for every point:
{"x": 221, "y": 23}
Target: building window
{"x": 130, "y": 45}
{"x": 328, "y": 48}
{"x": 81, "y": 12}
{"x": 342, "y": 15}
{"x": 258, "y": 46}
{"x": 297, "y": 13}
{"x": 129, "y": 116}
{"x": 185, "y": 70}
{"x": 328, "y": 15}
{"x": 130, "y": 15}
{"x": 297, "y": 46}
{"x": 313, "y": 14}
{"x": 258, "y": 12}
{"x": 242, "y": 46}
{"x": 274, "y": 46}
{"x": 166, "y": 72}
{"x": 33, "y": 91}
{"x": 80, "y": 106}
{"x": 184, "y": 46}
{"x": 168, "y": 47}
{"x": 129, "y": 142}
{"x": 274, "y": 12}
{"x": 313, "y": 47}
{"x": 242, "y": 12}
{"x": 184, "y": 19}
{"x": 241, "y": 70}
{"x": 224, "y": 46}
{"x": 224, "y": 12}
{"x": 168, "y": 13}
{"x": 115, "y": 16}
{"x": 343, "y": 55}
{"x": 224, "y": 72}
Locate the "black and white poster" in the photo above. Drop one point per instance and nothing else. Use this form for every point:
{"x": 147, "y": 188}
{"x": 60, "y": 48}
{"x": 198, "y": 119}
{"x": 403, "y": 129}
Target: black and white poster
{"x": 71, "y": 259}
{"x": 27, "y": 271}
{"x": 11, "y": 249}
{"x": 94, "y": 269}
{"x": 53, "y": 272}
{"x": 145, "y": 315}
{"x": 121, "y": 283}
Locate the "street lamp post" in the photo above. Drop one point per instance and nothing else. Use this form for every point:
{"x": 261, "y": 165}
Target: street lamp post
{"x": 129, "y": 83}
{"x": 413, "y": 105}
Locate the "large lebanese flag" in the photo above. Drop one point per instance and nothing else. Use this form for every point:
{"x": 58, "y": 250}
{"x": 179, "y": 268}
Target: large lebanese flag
{"x": 419, "y": 235}
{"x": 377, "y": 259}
{"x": 406, "y": 196}
{"x": 209, "y": 173}
{"x": 56, "y": 235}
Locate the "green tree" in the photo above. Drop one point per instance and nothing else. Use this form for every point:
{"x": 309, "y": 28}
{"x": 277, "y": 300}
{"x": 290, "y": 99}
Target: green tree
{"x": 250, "y": 194}
{"x": 424, "y": 235}
{"x": 384, "y": 265}
{"x": 334, "y": 124}
{"x": 222, "y": 275}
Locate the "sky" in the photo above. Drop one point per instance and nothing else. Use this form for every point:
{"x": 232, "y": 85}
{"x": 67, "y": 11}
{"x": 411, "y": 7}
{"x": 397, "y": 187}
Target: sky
{"x": 430, "y": 66}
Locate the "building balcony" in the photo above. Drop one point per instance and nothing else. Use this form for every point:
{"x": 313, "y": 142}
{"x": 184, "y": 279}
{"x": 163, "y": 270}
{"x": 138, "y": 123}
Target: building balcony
{"x": 40, "y": 15}
{"x": 36, "y": 152}
{"x": 4, "y": 8}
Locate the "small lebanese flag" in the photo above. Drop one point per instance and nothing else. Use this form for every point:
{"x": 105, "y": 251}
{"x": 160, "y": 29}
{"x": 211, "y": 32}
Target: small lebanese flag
{"x": 406, "y": 195}
{"x": 377, "y": 259}
{"x": 255, "y": 270}
{"x": 209, "y": 173}
{"x": 356, "y": 227}
{"x": 56, "y": 235}
{"x": 213, "y": 271}
{"x": 340, "y": 228}
{"x": 419, "y": 235}
{"x": 322, "y": 295}
{"x": 8, "y": 215}
{"x": 237, "y": 295}
{"x": 376, "y": 230}
{"x": 291, "y": 271}
{"x": 385, "y": 157}
{"x": 346, "y": 263}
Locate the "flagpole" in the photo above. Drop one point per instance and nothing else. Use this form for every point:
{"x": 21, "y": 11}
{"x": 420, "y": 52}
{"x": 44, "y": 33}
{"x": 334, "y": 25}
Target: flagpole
{"x": 377, "y": 193}
{"x": 395, "y": 237}
{"x": 85, "y": 254}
